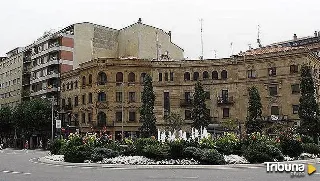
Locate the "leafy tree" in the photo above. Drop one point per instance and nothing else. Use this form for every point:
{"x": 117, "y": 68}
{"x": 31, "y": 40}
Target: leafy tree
{"x": 33, "y": 116}
{"x": 147, "y": 116}
{"x": 200, "y": 114}
{"x": 309, "y": 108}
{"x": 5, "y": 121}
{"x": 254, "y": 123}
{"x": 174, "y": 122}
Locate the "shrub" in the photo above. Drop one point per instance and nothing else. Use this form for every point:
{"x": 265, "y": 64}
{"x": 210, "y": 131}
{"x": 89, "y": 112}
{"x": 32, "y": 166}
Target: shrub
{"x": 56, "y": 146}
{"x": 141, "y": 143}
{"x": 290, "y": 143}
{"x": 311, "y": 148}
{"x": 306, "y": 139}
{"x": 204, "y": 156}
{"x": 99, "y": 154}
{"x": 207, "y": 143}
{"x": 77, "y": 154}
{"x": 211, "y": 156}
{"x": 156, "y": 151}
{"x": 228, "y": 144}
{"x": 190, "y": 152}
{"x": 176, "y": 149}
{"x": 262, "y": 152}
{"x": 292, "y": 148}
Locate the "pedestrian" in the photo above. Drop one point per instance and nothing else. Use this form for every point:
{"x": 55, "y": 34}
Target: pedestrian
{"x": 26, "y": 145}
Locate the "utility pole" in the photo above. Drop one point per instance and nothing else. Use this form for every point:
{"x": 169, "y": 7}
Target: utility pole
{"x": 201, "y": 22}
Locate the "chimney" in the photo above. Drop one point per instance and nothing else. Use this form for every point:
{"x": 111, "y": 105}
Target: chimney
{"x": 139, "y": 20}
{"x": 315, "y": 33}
{"x": 169, "y": 33}
{"x": 295, "y": 37}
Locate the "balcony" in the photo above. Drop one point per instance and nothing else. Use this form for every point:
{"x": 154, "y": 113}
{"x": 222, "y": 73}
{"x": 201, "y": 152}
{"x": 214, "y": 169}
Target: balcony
{"x": 225, "y": 100}
{"x": 44, "y": 91}
{"x": 52, "y": 61}
{"x": 67, "y": 107}
{"x": 102, "y": 104}
{"x": 25, "y": 94}
{"x": 110, "y": 124}
{"x": 25, "y": 83}
{"x": 185, "y": 102}
{"x": 52, "y": 74}
{"x": 52, "y": 48}
{"x": 26, "y": 70}
{"x": 102, "y": 83}
{"x": 27, "y": 60}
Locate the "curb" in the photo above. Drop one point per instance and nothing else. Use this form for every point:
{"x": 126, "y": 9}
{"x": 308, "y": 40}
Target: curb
{"x": 123, "y": 166}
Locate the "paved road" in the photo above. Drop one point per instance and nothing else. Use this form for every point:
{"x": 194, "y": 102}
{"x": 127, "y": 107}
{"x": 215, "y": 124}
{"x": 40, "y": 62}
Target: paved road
{"x": 16, "y": 165}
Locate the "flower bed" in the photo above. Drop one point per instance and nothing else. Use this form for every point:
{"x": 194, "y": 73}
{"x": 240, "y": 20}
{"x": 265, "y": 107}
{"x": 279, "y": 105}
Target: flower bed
{"x": 227, "y": 149}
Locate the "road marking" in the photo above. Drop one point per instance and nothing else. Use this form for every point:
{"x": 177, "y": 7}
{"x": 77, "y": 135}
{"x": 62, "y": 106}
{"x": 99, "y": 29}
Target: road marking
{"x": 27, "y": 173}
{"x": 173, "y": 178}
{"x": 57, "y": 165}
{"x": 15, "y": 172}
{"x": 70, "y": 166}
{"x": 87, "y": 167}
{"x": 5, "y": 171}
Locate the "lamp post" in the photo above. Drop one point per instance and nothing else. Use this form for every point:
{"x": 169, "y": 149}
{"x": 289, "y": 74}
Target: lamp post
{"x": 52, "y": 100}
{"x": 122, "y": 112}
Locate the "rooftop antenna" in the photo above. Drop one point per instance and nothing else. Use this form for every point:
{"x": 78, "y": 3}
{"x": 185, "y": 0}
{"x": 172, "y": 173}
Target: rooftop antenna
{"x": 258, "y": 39}
{"x": 250, "y": 47}
{"x": 215, "y": 53}
{"x": 201, "y": 22}
{"x": 157, "y": 44}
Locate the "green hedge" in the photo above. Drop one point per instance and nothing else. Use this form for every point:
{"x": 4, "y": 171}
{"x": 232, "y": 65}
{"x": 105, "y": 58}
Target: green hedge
{"x": 311, "y": 148}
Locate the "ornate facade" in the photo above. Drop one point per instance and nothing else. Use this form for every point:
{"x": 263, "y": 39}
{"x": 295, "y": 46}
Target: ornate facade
{"x": 103, "y": 92}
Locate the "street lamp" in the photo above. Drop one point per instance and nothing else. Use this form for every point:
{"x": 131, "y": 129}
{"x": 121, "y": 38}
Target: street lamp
{"x": 52, "y": 101}
{"x": 122, "y": 112}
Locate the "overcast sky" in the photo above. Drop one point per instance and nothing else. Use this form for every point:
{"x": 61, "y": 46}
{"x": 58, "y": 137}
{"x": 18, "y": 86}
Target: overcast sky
{"x": 22, "y": 21}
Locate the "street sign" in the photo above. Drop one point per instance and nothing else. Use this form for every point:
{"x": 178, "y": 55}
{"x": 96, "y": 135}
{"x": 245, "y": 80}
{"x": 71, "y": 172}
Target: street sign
{"x": 58, "y": 124}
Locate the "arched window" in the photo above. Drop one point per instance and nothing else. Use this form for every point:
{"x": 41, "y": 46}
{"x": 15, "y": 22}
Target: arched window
{"x": 143, "y": 75}
{"x": 215, "y": 75}
{"x": 90, "y": 98}
{"x": 68, "y": 86}
{"x": 102, "y": 97}
{"x": 102, "y": 78}
{"x": 186, "y": 76}
{"x": 196, "y": 76}
{"x": 83, "y": 80}
{"x": 71, "y": 85}
{"x": 76, "y": 84}
{"x": 205, "y": 75}
{"x": 90, "y": 79}
{"x": 119, "y": 77}
{"x": 131, "y": 77}
{"x": 102, "y": 119}
{"x": 224, "y": 74}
